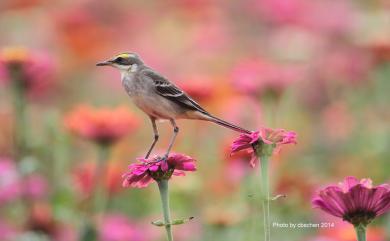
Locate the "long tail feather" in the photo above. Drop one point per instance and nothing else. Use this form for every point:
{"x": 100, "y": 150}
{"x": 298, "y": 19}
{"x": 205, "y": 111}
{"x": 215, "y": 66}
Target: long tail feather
{"x": 229, "y": 125}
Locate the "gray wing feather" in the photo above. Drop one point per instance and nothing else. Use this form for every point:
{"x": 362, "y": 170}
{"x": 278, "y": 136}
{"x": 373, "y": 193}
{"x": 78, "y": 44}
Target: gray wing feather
{"x": 172, "y": 92}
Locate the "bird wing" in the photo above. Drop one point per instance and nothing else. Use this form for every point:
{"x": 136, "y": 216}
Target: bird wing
{"x": 170, "y": 91}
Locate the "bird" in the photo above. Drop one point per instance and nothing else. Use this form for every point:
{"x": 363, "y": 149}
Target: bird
{"x": 158, "y": 97}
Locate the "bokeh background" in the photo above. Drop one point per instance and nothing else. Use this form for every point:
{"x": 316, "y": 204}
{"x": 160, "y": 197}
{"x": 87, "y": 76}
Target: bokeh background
{"x": 318, "y": 67}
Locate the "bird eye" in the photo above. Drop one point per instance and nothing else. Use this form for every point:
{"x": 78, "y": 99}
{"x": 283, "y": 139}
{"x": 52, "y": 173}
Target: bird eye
{"x": 119, "y": 59}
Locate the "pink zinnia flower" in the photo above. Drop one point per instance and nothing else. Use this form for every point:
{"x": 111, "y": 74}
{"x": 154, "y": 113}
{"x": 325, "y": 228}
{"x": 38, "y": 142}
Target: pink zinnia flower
{"x": 7, "y": 232}
{"x": 34, "y": 70}
{"x": 141, "y": 174}
{"x": 347, "y": 65}
{"x": 356, "y": 202}
{"x": 277, "y": 137}
{"x": 338, "y": 121}
{"x": 268, "y": 136}
{"x": 35, "y": 186}
{"x": 261, "y": 77}
{"x": 10, "y": 188}
{"x": 13, "y": 185}
{"x": 117, "y": 227}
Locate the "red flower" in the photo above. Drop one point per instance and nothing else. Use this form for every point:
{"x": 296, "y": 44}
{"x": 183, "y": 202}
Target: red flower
{"x": 201, "y": 89}
{"x": 268, "y": 136}
{"x": 357, "y": 202}
{"x": 141, "y": 174}
{"x": 380, "y": 50}
{"x": 103, "y": 126}
{"x": 85, "y": 173}
{"x": 21, "y": 4}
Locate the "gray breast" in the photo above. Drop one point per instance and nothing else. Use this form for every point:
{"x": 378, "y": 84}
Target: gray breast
{"x": 135, "y": 85}
{"x": 131, "y": 84}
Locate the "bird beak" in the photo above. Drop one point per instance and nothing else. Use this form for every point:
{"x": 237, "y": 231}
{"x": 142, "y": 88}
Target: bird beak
{"x": 104, "y": 63}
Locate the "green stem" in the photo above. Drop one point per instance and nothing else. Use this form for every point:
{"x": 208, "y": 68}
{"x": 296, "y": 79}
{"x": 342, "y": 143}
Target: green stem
{"x": 360, "y": 232}
{"x": 250, "y": 233}
{"x": 19, "y": 102}
{"x": 20, "y": 130}
{"x": 164, "y": 194}
{"x": 264, "y": 168}
{"x": 100, "y": 195}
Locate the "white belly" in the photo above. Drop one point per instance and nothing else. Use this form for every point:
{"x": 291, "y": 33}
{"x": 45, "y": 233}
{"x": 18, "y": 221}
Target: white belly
{"x": 157, "y": 106}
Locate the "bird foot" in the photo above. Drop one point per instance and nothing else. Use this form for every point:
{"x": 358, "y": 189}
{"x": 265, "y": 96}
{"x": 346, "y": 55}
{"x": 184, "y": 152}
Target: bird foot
{"x": 164, "y": 162}
{"x": 164, "y": 158}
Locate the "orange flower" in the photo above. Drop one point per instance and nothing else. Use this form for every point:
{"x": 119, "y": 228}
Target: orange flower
{"x": 14, "y": 55}
{"x": 103, "y": 126}
{"x": 81, "y": 31}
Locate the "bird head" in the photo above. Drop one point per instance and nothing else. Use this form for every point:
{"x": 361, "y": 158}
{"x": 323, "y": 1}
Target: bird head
{"x": 123, "y": 61}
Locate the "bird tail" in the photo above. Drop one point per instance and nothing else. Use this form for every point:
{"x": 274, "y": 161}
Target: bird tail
{"x": 228, "y": 125}
{"x": 207, "y": 117}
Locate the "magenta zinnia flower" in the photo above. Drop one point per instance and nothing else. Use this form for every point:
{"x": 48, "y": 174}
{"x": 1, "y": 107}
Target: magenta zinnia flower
{"x": 268, "y": 136}
{"x": 356, "y": 202}
{"x": 141, "y": 174}
{"x": 246, "y": 142}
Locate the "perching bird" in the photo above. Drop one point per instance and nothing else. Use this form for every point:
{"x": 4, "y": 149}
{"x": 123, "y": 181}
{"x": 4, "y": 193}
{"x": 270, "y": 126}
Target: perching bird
{"x": 158, "y": 97}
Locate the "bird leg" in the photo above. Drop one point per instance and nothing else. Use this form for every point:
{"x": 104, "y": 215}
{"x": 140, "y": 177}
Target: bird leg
{"x": 155, "y": 131}
{"x": 175, "y": 132}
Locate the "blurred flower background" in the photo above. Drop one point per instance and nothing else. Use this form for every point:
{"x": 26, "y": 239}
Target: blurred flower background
{"x": 320, "y": 68}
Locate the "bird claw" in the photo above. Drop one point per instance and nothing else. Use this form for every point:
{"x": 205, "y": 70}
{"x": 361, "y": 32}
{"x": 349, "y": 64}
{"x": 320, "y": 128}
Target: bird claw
{"x": 164, "y": 158}
{"x": 164, "y": 163}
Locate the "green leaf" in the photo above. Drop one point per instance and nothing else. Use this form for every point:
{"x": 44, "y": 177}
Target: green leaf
{"x": 158, "y": 223}
{"x": 181, "y": 221}
{"x": 277, "y": 197}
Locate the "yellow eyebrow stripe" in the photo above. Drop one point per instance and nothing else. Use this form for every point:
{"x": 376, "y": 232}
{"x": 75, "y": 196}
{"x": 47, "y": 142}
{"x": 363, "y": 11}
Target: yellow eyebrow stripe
{"x": 124, "y": 55}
